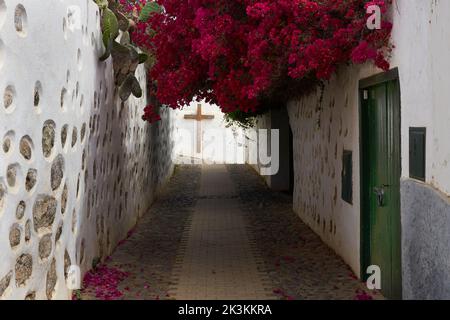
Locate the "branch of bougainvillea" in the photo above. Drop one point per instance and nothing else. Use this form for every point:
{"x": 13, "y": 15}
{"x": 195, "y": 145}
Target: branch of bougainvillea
{"x": 238, "y": 53}
{"x": 150, "y": 114}
{"x": 126, "y": 58}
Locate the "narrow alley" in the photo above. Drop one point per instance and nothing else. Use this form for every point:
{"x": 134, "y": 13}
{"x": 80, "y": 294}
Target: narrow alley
{"x": 217, "y": 232}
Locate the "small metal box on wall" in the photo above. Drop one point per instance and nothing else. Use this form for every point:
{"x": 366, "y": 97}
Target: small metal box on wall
{"x": 417, "y": 153}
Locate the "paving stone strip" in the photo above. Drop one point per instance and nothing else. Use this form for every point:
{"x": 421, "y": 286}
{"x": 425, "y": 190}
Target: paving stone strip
{"x": 218, "y": 261}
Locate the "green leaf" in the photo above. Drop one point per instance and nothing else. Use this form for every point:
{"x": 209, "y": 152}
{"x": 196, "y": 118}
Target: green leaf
{"x": 102, "y": 4}
{"x": 143, "y": 57}
{"x": 134, "y": 55}
{"x": 125, "y": 39}
{"x": 149, "y": 9}
{"x": 125, "y": 90}
{"x": 124, "y": 23}
{"x": 110, "y": 25}
{"x": 130, "y": 86}
{"x": 108, "y": 49}
{"x": 136, "y": 88}
{"x": 120, "y": 48}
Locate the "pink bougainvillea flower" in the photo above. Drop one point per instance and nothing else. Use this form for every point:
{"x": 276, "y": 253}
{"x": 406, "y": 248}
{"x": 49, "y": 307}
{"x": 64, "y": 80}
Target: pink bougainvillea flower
{"x": 105, "y": 280}
{"x": 239, "y": 54}
{"x": 362, "y": 295}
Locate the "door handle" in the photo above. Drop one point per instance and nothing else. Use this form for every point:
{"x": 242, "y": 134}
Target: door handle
{"x": 380, "y": 193}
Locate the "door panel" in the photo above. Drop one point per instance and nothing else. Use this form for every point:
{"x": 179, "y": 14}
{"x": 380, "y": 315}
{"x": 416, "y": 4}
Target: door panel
{"x": 381, "y": 178}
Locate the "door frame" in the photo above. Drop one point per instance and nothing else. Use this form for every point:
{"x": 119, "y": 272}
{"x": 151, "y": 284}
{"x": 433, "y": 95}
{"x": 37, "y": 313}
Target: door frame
{"x": 391, "y": 75}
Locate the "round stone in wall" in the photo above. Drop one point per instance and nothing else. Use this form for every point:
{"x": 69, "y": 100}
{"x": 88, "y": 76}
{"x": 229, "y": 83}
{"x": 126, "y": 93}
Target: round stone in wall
{"x": 8, "y": 97}
{"x": 64, "y": 199}
{"x": 11, "y": 174}
{"x": 31, "y": 179}
{"x": 57, "y": 172}
{"x": 4, "y": 283}
{"x": 23, "y": 269}
{"x": 74, "y": 136}
{"x": 45, "y": 246}
{"x": 48, "y": 138}
{"x": 64, "y": 131}
{"x": 28, "y": 231}
{"x": 44, "y": 211}
{"x": 37, "y": 93}
{"x": 59, "y": 232}
{"x": 63, "y": 97}
{"x": 31, "y": 296}
{"x": 74, "y": 220}
{"x": 51, "y": 280}
{"x": 82, "y": 251}
{"x": 2, "y": 196}
{"x": 25, "y": 147}
{"x": 83, "y": 132}
{"x": 21, "y": 20}
{"x": 14, "y": 235}
{"x": 20, "y": 210}
{"x": 6, "y": 144}
{"x": 67, "y": 263}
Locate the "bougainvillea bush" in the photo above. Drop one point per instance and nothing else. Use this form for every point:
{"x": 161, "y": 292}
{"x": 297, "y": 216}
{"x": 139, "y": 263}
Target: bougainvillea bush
{"x": 240, "y": 54}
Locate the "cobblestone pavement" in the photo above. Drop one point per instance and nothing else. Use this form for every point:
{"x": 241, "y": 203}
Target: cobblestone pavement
{"x": 219, "y": 233}
{"x": 299, "y": 264}
{"x": 149, "y": 255}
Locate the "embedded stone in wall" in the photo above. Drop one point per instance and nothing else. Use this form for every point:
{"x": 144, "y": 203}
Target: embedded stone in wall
{"x": 57, "y": 172}
{"x": 14, "y": 235}
{"x": 11, "y": 174}
{"x": 20, "y": 20}
{"x": 6, "y": 144}
{"x": 67, "y": 263}
{"x": 82, "y": 251}
{"x": 44, "y": 212}
{"x": 45, "y": 246}
{"x": 83, "y": 132}
{"x": 64, "y": 199}
{"x": 51, "y": 280}
{"x": 23, "y": 269}
{"x": 4, "y": 283}
{"x": 37, "y": 93}
{"x": 8, "y": 97}
{"x": 2, "y": 196}
{"x": 28, "y": 230}
{"x": 59, "y": 231}
{"x": 31, "y": 179}
{"x": 31, "y": 296}
{"x": 48, "y": 138}
{"x": 25, "y": 147}
{"x": 64, "y": 131}
{"x": 74, "y": 136}
{"x": 20, "y": 211}
{"x": 74, "y": 220}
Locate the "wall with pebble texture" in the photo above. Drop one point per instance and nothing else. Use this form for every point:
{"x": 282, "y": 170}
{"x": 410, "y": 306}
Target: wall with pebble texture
{"x": 324, "y": 124}
{"x": 77, "y": 166}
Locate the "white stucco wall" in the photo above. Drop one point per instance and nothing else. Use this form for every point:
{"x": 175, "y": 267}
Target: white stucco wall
{"x": 100, "y": 150}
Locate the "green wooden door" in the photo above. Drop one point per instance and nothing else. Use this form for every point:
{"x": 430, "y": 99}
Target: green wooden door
{"x": 381, "y": 184}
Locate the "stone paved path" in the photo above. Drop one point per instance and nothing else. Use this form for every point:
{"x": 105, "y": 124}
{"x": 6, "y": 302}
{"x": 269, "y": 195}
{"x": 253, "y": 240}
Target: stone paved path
{"x": 218, "y": 262}
{"x": 219, "y": 233}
